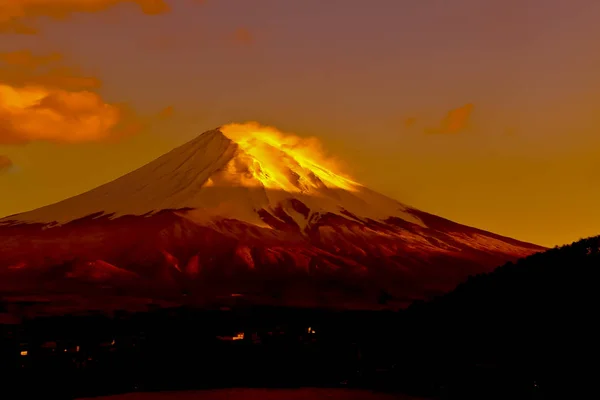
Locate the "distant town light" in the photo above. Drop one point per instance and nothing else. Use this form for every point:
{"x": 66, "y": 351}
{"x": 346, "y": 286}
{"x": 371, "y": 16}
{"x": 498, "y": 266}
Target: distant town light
{"x": 239, "y": 336}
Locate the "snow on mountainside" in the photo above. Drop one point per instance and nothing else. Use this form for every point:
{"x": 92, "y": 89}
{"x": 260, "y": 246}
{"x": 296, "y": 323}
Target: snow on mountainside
{"x": 243, "y": 209}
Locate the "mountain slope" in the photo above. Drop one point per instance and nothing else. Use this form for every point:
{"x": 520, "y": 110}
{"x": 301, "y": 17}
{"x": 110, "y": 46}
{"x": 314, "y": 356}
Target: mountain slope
{"x": 244, "y": 209}
{"x": 217, "y": 177}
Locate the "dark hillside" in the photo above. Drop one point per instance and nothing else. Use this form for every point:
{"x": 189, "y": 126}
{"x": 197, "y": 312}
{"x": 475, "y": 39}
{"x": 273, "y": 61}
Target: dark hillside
{"x": 536, "y": 318}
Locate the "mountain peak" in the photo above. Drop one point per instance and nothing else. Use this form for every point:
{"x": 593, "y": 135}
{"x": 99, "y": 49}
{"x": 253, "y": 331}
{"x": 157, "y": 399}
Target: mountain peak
{"x": 229, "y": 172}
{"x": 230, "y": 211}
{"x": 285, "y": 162}
{"x": 161, "y": 184}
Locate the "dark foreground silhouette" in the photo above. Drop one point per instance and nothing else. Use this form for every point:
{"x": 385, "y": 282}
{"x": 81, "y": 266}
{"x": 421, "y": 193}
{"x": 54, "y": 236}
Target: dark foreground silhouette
{"x": 265, "y": 394}
{"x": 527, "y": 330}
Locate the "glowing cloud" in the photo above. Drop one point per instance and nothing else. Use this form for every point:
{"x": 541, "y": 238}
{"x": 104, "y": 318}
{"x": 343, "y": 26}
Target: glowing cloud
{"x": 37, "y": 113}
{"x": 287, "y": 161}
{"x": 41, "y": 98}
{"x": 456, "y": 120}
{"x": 5, "y": 163}
{"x": 13, "y": 12}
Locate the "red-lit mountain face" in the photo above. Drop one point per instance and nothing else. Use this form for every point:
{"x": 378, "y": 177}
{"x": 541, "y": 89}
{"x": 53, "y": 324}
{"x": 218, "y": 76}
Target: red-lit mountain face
{"x": 243, "y": 210}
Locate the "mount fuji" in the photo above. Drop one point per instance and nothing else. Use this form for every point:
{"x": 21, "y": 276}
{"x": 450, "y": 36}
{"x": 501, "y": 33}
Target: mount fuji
{"x": 242, "y": 212}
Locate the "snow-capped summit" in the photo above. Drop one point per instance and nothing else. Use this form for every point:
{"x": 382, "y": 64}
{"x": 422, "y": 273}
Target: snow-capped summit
{"x": 221, "y": 178}
{"x": 235, "y": 210}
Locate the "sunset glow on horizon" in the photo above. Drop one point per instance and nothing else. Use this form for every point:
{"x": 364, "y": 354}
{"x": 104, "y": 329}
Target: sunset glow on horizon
{"x": 485, "y": 113}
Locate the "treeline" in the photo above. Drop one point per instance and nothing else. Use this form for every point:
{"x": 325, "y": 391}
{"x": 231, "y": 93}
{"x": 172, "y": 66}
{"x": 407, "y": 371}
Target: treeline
{"x": 537, "y": 319}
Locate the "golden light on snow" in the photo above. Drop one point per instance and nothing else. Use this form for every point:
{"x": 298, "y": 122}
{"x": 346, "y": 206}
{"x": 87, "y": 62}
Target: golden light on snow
{"x": 285, "y": 161}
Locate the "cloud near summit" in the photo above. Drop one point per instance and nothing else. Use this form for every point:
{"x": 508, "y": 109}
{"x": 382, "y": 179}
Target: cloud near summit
{"x": 16, "y": 15}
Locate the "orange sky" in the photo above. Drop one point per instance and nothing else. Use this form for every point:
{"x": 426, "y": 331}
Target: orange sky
{"x": 487, "y": 113}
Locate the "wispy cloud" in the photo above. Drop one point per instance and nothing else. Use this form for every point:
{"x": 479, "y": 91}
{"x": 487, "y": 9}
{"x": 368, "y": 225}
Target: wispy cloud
{"x": 242, "y": 36}
{"x": 410, "y": 122}
{"x": 18, "y": 16}
{"x": 5, "y": 163}
{"x": 26, "y": 59}
{"x": 48, "y": 70}
{"x": 166, "y": 112}
{"x": 456, "y": 121}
